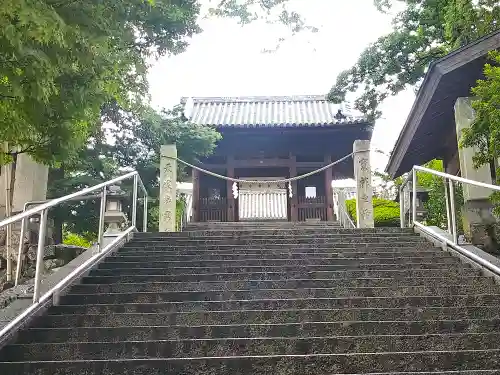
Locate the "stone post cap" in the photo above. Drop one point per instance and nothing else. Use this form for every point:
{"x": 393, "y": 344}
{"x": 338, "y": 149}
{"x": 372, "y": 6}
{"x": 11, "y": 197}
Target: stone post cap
{"x": 361, "y": 146}
{"x": 168, "y": 150}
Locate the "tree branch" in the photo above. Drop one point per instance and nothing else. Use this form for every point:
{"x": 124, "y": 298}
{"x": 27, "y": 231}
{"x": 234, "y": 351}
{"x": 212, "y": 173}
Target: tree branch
{"x": 8, "y": 96}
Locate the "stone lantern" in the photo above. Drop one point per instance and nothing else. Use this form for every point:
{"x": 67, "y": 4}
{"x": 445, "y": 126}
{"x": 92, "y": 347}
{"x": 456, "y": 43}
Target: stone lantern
{"x": 114, "y": 218}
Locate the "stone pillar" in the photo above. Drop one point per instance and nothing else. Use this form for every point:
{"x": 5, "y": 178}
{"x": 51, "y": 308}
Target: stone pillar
{"x": 477, "y": 211}
{"x": 168, "y": 186}
{"x": 464, "y": 117}
{"x": 30, "y": 184}
{"x": 328, "y": 189}
{"x": 363, "y": 177}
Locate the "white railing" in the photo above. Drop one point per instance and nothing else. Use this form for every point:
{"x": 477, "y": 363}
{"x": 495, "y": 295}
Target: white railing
{"x": 344, "y": 218}
{"x": 449, "y": 183}
{"x": 42, "y": 209}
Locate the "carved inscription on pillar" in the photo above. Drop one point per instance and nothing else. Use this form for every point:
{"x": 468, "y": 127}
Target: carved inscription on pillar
{"x": 168, "y": 182}
{"x": 364, "y": 191}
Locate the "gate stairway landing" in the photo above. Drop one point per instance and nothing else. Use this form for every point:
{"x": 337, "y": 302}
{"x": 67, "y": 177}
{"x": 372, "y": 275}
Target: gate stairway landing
{"x": 269, "y": 299}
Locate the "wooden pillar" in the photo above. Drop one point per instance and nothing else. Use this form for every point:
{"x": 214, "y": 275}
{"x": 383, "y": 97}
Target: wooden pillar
{"x": 196, "y": 195}
{"x": 294, "y": 202}
{"x": 328, "y": 189}
{"x": 231, "y": 202}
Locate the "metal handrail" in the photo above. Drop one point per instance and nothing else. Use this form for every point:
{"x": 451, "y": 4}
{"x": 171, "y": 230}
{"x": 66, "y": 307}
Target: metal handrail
{"x": 346, "y": 219}
{"x": 450, "y": 213}
{"x": 23, "y": 229}
{"x": 56, "y": 291}
{"x": 43, "y": 208}
{"x": 457, "y": 179}
{"x": 449, "y": 197}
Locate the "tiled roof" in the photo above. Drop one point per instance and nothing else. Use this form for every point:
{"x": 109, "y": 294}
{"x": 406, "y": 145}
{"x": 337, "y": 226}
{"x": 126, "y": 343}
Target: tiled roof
{"x": 264, "y": 111}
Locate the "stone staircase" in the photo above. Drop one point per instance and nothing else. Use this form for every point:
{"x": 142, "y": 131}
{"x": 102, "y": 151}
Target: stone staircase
{"x": 269, "y": 299}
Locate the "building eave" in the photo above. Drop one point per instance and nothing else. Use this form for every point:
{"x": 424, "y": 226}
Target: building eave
{"x": 427, "y": 95}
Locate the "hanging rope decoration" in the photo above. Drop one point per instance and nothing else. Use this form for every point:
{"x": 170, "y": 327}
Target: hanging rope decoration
{"x": 235, "y": 190}
{"x": 286, "y": 180}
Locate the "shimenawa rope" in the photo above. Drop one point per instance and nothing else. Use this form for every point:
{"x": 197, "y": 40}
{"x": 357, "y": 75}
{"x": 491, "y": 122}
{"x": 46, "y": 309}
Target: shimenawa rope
{"x": 261, "y": 181}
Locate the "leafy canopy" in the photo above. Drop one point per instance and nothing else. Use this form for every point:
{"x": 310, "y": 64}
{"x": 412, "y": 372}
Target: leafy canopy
{"x": 62, "y": 61}
{"x": 424, "y": 31}
{"x": 484, "y": 134}
{"x": 133, "y": 142}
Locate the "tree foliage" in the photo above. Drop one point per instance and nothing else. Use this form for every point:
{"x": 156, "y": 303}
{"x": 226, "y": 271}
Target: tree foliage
{"x": 133, "y": 142}
{"x": 270, "y": 11}
{"x": 62, "y": 61}
{"x": 436, "y": 203}
{"x": 484, "y": 134}
{"x": 424, "y": 31}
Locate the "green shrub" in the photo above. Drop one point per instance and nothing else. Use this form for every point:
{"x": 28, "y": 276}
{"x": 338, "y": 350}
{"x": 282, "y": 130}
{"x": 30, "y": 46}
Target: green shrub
{"x": 76, "y": 240}
{"x": 180, "y": 208}
{"x": 385, "y": 212}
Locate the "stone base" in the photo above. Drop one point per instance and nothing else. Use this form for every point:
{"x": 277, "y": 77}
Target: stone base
{"x": 486, "y": 237}
{"x": 480, "y": 225}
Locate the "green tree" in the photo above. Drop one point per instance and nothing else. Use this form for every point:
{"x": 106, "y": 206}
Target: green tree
{"x": 484, "y": 134}
{"x": 436, "y": 203}
{"x": 62, "y": 61}
{"x": 424, "y": 31}
{"x": 133, "y": 142}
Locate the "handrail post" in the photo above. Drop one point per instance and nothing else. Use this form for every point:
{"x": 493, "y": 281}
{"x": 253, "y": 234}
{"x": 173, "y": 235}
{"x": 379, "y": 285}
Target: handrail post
{"x": 134, "y": 201}
{"x": 447, "y": 203}
{"x": 20, "y": 251}
{"x": 453, "y": 212}
{"x": 39, "y": 254}
{"x": 401, "y": 206}
{"x": 102, "y": 212}
{"x": 145, "y": 218}
{"x": 414, "y": 198}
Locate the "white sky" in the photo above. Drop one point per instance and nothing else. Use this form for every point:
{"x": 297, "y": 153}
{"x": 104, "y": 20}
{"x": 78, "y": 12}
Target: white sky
{"x": 226, "y": 59}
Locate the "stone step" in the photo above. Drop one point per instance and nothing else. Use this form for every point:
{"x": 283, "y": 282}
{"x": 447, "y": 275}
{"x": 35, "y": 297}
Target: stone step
{"x": 160, "y": 286}
{"x": 127, "y": 268}
{"x": 183, "y": 236}
{"x": 245, "y": 347}
{"x": 103, "y": 276}
{"x": 146, "y": 251}
{"x": 260, "y": 251}
{"x": 284, "y": 240}
{"x": 262, "y": 223}
{"x": 415, "y": 302}
{"x": 284, "y": 280}
{"x": 83, "y": 317}
{"x": 269, "y": 232}
{"x": 318, "y": 364}
{"x": 347, "y": 253}
{"x": 310, "y": 257}
{"x": 156, "y": 331}
{"x": 139, "y": 262}
{"x": 222, "y": 295}
{"x": 281, "y": 245}
{"x": 180, "y": 261}
{"x": 301, "y": 227}
{"x": 257, "y": 228}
